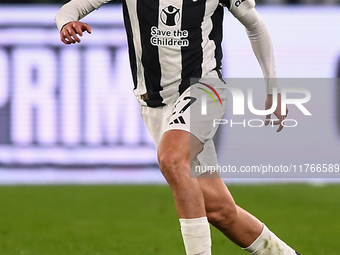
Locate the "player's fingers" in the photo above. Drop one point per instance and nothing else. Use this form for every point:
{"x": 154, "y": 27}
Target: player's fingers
{"x": 87, "y": 28}
{"x": 73, "y": 34}
{"x": 64, "y": 37}
{"x": 65, "y": 41}
{"x": 70, "y": 39}
{"x": 282, "y": 118}
{"x": 67, "y": 33}
{"x": 280, "y": 128}
{"x": 78, "y": 29}
{"x": 279, "y": 121}
{"x": 267, "y": 121}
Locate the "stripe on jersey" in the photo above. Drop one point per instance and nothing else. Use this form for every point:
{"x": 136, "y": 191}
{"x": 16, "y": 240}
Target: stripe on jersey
{"x": 225, "y": 3}
{"x": 135, "y": 46}
{"x": 192, "y": 60}
{"x": 132, "y": 51}
{"x": 170, "y": 60}
{"x": 209, "y": 45}
{"x": 180, "y": 118}
{"x": 150, "y": 55}
{"x": 217, "y": 35}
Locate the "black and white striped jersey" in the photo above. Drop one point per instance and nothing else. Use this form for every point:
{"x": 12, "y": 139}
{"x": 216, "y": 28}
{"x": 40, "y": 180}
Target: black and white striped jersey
{"x": 170, "y": 42}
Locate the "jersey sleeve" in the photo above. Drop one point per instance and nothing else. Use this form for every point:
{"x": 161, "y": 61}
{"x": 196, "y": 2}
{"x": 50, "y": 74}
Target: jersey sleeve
{"x": 262, "y": 45}
{"x": 259, "y": 37}
{"x": 98, "y": 3}
{"x": 76, "y": 10}
{"x": 238, "y": 7}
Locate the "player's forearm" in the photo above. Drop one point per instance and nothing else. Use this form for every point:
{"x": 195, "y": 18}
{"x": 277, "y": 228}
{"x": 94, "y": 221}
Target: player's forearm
{"x": 76, "y": 10}
{"x": 263, "y": 48}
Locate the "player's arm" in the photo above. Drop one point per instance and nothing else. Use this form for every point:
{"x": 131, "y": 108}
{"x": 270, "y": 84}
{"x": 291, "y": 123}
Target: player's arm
{"x": 68, "y": 17}
{"x": 262, "y": 46}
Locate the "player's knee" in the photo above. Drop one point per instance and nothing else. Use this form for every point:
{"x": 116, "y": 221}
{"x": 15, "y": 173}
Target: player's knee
{"x": 223, "y": 217}
{"x": 172, "y": 166}
{"x": 166, "y": 161}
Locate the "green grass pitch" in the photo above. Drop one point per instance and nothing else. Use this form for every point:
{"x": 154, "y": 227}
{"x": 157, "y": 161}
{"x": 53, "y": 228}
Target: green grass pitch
{"x": 134, "y": 220}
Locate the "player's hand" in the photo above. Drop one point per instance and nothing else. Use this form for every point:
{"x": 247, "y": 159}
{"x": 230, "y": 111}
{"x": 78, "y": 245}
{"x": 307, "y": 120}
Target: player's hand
{"x": 71, "y": 31}
{"x": 277, "y": 112}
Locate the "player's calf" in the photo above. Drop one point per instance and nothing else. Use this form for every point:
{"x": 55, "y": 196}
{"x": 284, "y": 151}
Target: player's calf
{"x": 223, "y": 216}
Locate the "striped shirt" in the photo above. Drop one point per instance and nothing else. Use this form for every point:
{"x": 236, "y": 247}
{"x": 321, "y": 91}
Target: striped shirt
{"x": 170, "y": 42}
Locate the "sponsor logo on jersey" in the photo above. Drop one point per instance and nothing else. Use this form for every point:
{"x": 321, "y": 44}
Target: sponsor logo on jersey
{"x": 178, "y": 120}
{"x": 160, "y": 37}
{"x": 170, "y": 15}
{"x": 239, "y": 2}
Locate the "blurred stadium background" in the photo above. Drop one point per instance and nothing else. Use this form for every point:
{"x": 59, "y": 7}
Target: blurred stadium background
{"x": 68, "y": 116}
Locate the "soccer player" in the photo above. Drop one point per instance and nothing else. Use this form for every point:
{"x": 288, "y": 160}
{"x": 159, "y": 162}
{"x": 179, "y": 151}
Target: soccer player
{"x": 171, "y": 41}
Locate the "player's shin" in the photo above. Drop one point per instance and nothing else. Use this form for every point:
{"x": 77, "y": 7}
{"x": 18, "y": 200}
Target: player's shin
{"x": 196, "y": 236}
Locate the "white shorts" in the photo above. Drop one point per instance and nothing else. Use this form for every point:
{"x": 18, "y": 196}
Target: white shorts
{"x": 194, "y": 111}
